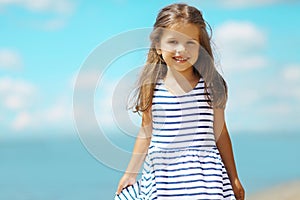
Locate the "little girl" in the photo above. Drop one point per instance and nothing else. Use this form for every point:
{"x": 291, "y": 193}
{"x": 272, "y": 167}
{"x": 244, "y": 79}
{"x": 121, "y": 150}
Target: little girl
{"x": 183, "y": 141}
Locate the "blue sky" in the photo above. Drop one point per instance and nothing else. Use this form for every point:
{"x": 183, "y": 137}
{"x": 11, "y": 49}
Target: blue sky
{"x": 44, "y": 43}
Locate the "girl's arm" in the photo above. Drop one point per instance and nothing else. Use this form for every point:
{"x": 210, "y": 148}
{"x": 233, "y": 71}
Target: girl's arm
{"x": 139, "y": 153}
{"x": 141, "y": 145}
{"x": 224, "y": 143}
{"x": 225, "y": 148}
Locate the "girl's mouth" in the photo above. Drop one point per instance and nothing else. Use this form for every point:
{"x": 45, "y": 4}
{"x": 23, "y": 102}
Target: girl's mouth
{"x": 180, "y": 59}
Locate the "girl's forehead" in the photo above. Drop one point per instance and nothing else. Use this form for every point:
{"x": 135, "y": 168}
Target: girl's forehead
{"x": 183, "y": 30}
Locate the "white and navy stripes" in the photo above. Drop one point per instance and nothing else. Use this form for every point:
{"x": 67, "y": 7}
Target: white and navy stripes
{"x": 183, "y": 161}
{"x": 181, "y": 121}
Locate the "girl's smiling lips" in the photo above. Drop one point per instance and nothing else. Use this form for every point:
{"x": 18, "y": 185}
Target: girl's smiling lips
{"x": 180, "y": 59}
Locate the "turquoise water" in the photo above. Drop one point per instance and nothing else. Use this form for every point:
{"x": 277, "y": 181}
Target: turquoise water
{"x": 60, "y": 168}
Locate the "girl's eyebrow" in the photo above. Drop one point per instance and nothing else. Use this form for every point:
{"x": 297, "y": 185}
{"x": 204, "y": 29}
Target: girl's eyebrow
{"x": 174, "y": 38}
{"x": 171, "y": 38}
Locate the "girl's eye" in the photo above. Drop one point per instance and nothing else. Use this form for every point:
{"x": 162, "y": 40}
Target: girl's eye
{"x": 172, "y": 42}
{"x": 191, "y": 42}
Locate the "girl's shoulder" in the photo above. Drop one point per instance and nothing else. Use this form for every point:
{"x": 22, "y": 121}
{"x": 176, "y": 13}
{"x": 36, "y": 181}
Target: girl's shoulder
{"x": 158, "y": 85}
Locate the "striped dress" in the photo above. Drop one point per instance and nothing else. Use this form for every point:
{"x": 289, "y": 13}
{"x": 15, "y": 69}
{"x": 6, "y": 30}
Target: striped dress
{"x": 183, "y": 161}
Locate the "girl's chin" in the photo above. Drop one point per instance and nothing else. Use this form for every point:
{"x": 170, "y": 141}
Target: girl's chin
{"x": 183, "y": 64}
{"x": 181, "y": 68}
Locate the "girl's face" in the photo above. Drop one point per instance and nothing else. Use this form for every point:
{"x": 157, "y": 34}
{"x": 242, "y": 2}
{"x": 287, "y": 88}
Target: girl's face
{"x": 179, "y": 46}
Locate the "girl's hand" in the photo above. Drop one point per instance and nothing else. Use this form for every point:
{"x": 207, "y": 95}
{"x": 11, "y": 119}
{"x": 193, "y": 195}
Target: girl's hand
{"x": 126, "y": 180}
{"x": 238, "y": 189}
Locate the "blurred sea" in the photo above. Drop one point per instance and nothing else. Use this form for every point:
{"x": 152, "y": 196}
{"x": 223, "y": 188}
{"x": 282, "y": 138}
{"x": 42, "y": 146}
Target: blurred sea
{"x": 60, "y": 168}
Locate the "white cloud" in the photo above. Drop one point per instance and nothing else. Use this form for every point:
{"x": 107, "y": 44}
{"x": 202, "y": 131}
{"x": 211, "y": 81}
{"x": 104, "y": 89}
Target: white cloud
{"x": 60, "y": 6}
{"x": 42, "y": 117}
{"x": 19, "y": 103}
{"x": 284, "y": 86}
{"x": 16, "y": 94}
{"x": 269, "y": 104}
{"x": 253, "y": 3}
{"x": 60, "y": 11}
{"x": 58, "y": 113}
{"x": 292, "y": 72}
{"x": 244, "y": 98}
{"x": 51, "y": 24}
{"x": 57, "y": 6}
{"x": 22, "y": 121}
{"x": 240, "y": 34}
{"x": 279, "y": 115}
{"x": 16, "y": 97}
{"x": 54, "y": 24}
{"x": 14, "y": 102}
{"x": 240, "y": 45}
{"x": 10, "y": 59}
{"x": 290, "y": 84}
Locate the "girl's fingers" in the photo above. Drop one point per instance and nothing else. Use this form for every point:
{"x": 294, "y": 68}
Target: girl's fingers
{"x": 241, "y": 194}
{"x": 120, "y": 187}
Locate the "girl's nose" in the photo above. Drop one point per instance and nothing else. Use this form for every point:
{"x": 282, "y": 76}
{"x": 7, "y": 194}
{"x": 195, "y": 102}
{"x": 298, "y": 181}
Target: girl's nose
{"x": 180, "y": 48}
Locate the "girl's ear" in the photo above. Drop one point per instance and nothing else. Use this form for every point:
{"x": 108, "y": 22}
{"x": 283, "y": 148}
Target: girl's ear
{"x": 158, "y": 50}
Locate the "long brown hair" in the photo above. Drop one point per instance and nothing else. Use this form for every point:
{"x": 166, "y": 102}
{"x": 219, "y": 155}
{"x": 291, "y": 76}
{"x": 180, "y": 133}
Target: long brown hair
{"x": 155, "y": 67}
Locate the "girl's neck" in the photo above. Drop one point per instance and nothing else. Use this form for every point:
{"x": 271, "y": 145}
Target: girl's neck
{"x": 181, "y": 81}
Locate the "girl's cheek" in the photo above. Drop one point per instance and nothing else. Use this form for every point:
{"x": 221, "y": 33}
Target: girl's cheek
{"x": 169, "y": 49}
{"x": 194, "y": 48}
